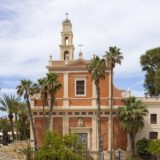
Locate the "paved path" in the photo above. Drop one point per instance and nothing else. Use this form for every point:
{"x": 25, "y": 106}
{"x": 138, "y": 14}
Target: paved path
{"x": 8, "y": 152}
{"x": 7, "y": 156}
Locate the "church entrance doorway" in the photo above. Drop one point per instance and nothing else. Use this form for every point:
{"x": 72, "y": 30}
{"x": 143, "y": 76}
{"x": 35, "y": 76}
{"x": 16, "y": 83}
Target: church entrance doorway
{"x": 83, "y": 139}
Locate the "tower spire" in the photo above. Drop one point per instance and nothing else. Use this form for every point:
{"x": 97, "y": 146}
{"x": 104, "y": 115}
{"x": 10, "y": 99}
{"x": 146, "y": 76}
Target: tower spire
{"x": 66, "y": 46}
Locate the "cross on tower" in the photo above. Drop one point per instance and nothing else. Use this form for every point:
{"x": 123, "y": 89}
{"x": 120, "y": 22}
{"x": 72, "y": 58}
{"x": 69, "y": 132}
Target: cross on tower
{"x": 67, "y": 15}
{"x": 80, "y": 45}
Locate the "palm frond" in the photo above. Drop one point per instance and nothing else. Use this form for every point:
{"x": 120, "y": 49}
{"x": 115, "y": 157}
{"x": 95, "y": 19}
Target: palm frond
{"x": 3, "y": 109}
{"x": 97, "y": 67}
{"x": 131, "y": 115}
{"x": 113, "y": 56}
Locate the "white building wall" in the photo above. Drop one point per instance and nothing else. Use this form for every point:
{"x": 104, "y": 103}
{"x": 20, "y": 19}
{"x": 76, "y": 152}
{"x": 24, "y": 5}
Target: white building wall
{"x": 153, "y": 106}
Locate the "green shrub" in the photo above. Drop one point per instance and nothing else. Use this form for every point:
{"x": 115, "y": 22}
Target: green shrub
{"x": 154, "y": 147}
{"x": 142, "y": 149}
{"x": 56, "y": 147}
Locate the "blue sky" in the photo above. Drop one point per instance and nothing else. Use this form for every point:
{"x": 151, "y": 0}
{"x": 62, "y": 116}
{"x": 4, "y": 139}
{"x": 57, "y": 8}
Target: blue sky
{"x": 30, "y": 32}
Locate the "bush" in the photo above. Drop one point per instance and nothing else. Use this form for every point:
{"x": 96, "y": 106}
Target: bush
{"x": 57, "y": 147}
{"x": 154, "y": 147}
{"x": 142, "y": 149}
{"x": 28, "y": 152}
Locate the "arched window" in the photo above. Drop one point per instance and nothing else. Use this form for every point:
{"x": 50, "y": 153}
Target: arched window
{"x": 66, "y": 41}
{"x": 66, "y": 55}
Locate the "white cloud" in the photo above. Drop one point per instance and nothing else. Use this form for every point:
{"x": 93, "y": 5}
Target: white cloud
{"x": 30, "y": 31}
{"x": 137, "y": 93}
{"x": 8, "y": 91}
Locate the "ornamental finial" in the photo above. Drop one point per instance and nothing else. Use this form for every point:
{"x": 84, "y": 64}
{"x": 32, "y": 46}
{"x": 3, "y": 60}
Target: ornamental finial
{"x": 80, "y": 52}
{"x": 67, "y": 15}
{"x": 50, "y": 57}
{"x": 80, "y": 47}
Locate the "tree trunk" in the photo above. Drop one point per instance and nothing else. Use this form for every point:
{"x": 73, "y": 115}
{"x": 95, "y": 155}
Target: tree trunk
{"x": 100, "y": 149}
{"x": 132, "y": 139}
{"x": 111, "y": 116}
{"x": 16, "y": 137}
{"x": 31, "y": 120}
{"x": 5, "y": 137}
{"x": 50, "y": 111}
{"x": 16, "y": 117}
{"x": 11, "y": 124}
{"x": 44, "y": 115}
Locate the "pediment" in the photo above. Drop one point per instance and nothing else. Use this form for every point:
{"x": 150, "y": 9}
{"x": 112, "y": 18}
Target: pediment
{"x": 78, "y": 62}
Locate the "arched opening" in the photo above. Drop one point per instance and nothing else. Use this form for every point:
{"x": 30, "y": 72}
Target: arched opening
{"x": 66, "y": 55}
{"x": 66, "y": 41}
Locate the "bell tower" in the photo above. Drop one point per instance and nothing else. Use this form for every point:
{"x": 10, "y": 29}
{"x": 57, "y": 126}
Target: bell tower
{"x": 66, "y": 46}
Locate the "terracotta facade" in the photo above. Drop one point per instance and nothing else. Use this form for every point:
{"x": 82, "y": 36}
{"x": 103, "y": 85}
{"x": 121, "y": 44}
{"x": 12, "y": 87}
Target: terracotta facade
{"x": 72, "y": 110}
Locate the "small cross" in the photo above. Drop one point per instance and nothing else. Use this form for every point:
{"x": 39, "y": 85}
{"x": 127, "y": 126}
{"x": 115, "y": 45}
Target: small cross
{"x": 80, "y": 45}
{"x": 67, "y": 15}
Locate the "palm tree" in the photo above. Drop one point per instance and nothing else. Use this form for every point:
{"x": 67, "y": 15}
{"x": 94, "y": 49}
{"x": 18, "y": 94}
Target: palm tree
{"x": 23, "y": 124}
{"x": 131, "y": 118}
{"x": 42, "y": 83}
{"x": 113, "y": 57}
{"x": 25, "y": 89}
{"x": 53, "y": 85}
{"x": 20, "y": 110}
{"x": 97, "y": 68}
{"x": 9, "y": 104}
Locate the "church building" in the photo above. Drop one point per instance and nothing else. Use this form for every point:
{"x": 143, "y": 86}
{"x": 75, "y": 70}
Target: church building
{"x": 76, "y": 109}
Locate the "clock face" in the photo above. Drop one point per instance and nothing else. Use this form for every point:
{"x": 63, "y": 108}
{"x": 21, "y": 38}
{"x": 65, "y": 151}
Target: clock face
{"x": 123, "y": 94}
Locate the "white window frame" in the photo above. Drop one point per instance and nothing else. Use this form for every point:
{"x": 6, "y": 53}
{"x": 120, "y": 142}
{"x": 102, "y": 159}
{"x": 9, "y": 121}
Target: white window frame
{"x": 154, "y": 132}
{"x": 150, "y": 119}
{"x": 75, "y": 87}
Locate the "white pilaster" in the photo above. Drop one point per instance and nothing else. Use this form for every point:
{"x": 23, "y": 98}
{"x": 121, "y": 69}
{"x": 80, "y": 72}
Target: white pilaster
{"x": 93, "y": 94}
{"x": 65, "y": 125}
{"x": 128, "y": 143}
{"x": 109, "y": 132}
{"x": 94, "y": 134}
